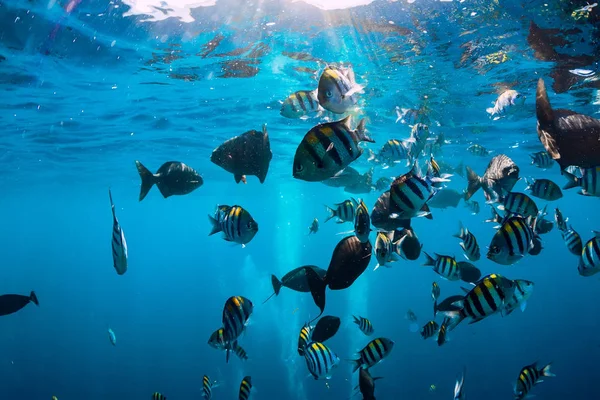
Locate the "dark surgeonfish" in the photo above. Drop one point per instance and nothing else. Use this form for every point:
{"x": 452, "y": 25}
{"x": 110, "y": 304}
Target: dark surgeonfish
{"x": 366, "y": 384}
{"x": 349, "y": 260}
{"x": 172, "y": 178}
{"x": 296, "y": 280}
{"x": 118, "y": 243}
{"x": 500, "y": 176}
{"x": 246, "y": 154}
{"x": 569, "y": 138}
{"x": 325, "y": 328}
{"x": 11, "y": 303}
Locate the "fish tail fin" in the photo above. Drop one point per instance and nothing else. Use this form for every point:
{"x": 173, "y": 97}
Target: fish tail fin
{"x": 545, "y": 117}
{"x": 455, "y": 318}
{"x": 430, "y": 262}
{"x": 474, "y": 183}
{"x": 33, "y": 298}
{"x": 333, "y": 213}
{"x": 362, "y": 132}
{"x": 546, "y": 370}
{"x": 148, "y": 179}
{"x": 459, "y": 169}
{"x": 461, "y": 229}
{"x": 356, "y": 320}
{"x": 435, "y": 308}
{"x": 573, "y": 181}
{"x": 276, "y": 284}
{"x": 216, "y": 227}
{"x": 355, "y": 365}
{"x": 489, "y": 110}
{"x": 112, "y": 204}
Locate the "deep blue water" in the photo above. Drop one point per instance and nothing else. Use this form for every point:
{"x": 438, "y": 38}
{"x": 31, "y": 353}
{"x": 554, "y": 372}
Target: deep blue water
{"x": 81, "y": 100}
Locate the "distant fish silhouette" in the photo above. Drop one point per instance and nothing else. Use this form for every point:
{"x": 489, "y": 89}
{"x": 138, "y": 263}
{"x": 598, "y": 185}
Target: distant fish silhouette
{"x": 11, "y": 303}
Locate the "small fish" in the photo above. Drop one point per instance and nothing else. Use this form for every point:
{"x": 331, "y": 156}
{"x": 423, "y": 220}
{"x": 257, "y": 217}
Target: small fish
{"x": 500, "y": 177}
{"x": 512, "y": 241}
{"x": 301, "y": 104}
{"x": 207, "y": 387}
{"x": 337, "y": 90}
{"x": 112, "y": 337}
{"x": 245, "y": 388}
{"x": 521, "y": 293}
{"x": 542, "y": 159}
{"x": 473, "y": 206}
{"x": 519, "y": 204}
{"x": 444, "y": 266}
{"x": 54, "y": 398}
{"x": 544, "y": 189}
{"x": 118, "y": 243}
{"x": 344, "y": 211}
{"x": 409, "y": 193}
{"x": 304, "y": 337}
{"x": 364, "y": 325}
{"x": 327, "y": 149}
{"x": 383, "y": 183}
{"x": 320, "y": 360}
{"x": 217, "y": 339}
{"x": 435, "y": 291}
{"x": 573, "y": 241}
{"x": 314, "y": 226}
{"x": 529, "y": 377}
{"x": 362, "y": 222}
{"x": 11, "y": 303}
{"x": 577, "y": 14}
{"x": 429, "y": 329}
{"x": 459, "y": 387}
{"x": 589, "y": 181}
{"x": 346, "y": 177}
{"x": 589, "y": 263}
{"x": 235, "y": 222}
{"x": 172, "y": 178}
{"x": 247, "y": 154}
{"x": 158, "y": 396}
{"x": 561, "y": 222}
{"x": 441, "y": 338}
{"x": 478, "y": 150}
{"x": 393, "y": 151}
{"x": 468, "y": 244}
{"x": 236, "y": 313}
{"x": 504, "y": 102}
{"x": 417, "y": 141}
{"x": 373, "y": 353}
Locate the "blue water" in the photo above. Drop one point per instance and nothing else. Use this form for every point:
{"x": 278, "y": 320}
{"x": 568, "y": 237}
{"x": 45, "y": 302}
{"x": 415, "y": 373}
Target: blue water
{"x": 85, "y": 93}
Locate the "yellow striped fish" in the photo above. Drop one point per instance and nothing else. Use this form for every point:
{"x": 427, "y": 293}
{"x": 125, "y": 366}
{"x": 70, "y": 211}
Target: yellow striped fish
{"x": 301, "y": 104}
{"x": 245, "y": 388}
{"x": 528, "y": 378}
{"x": 373, "y": 353}
{"x": 119, "y": 245}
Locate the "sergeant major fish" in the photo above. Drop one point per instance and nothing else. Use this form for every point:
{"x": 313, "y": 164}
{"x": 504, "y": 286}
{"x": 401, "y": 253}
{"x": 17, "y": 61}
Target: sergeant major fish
{"x": 245, "y": 388}
{"x": 320, "y": 360}
{"x": 236, "y": 313}
{"x": 519, "y": 204}
{"x": 572, "y": 241}
{"x": 468, "y": 244}
{"x": 589, "y": 262}
{"x": 512, "y": 241}
{"x": 304, "y": 337}
{"x": 118, "y": 242}
{"x": 529, "y": 377}
{"x": 544, "y": 189}
{"x": 337, "y": 90}
{"x": 373, "y": 353}
{"x": 172, "y": 178}
{"x": 500, "y": 177}
{"x": 235, "y": 222}
{"x": 385, "y": 249}
{"x": 207, "y": 387}
{"x": 521, "y": 293}
{"x": 301, "y": 104}
{"x": 542, "y": 159}
{"x": 314, "y": 226}
{"x": 589, "y": 181}
{"x": 364, "y": 325}
{"x": 429, "y": 329}
{"x": 327, "y": 149}
{"x": 344, "y": 211}
{"x": 410, "y": 192}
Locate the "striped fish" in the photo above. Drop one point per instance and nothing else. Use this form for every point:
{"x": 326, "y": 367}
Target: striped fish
{"x": 158, "y": 396}
{"x": 435, "y": 171}
{"x": 364, "y": 325}
{"x": 488, "y": 297}
{"x": 435, "y": 291}
{"x": 473, "y": 206}
{"x": 444, "y": 266}
{"x": 589, "y": 263}
{"x": 468, "y": 244}
{"x": 544, "y": 189}
{"x": 512, "y": 241}
{"x": 119, "y": 245}
{"x": 521, "y": 293}
{"x": 344, "y": 211}
{"x": 519, "y": 204}
{"x": 529, "y": 377}
{"x": 542, "y": 159}
{"x": 245, "y": 388}
{"x": 304, "y": 338}
{"x": 301, "y": 104}
{"x": 573, "y": 241}
{"x": 561, "y": 222}
{"x": 385, "y": 249}
{"x": 429, "y": 329}
{"x": 589, "y": 181}
{"x": 362, "y": 222}
{"x": 236, "y": 312}
{"x": 236, "y": 223}
{"x": 459, "y": 387}
{"x": 409, "y": 193}
{"x": 239, "y": 351}
{"x": 207, "y": 386}
{"x": 441, "y": 339}
{"x": 217, "y": 339}
{"x": 478, "y": 150}
{"x": 373, "y": 353}
{"x": 337, "y": 90}
{"x": 417, "y": 141}
{"x": 320, "y": 360}
{"x": 393, "y": 151}
{"x": 327, "y": 149}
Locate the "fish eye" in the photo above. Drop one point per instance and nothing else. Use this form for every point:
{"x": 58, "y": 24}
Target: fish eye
{"x": 494, "y": 249}
{"x": 329, "y": 94}
{"x": 299, "y": 167}
{"x": 250, "y": 224}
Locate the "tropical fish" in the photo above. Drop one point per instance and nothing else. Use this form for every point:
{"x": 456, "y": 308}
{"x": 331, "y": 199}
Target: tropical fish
{"x": 304, "y": 337}
{"x": 11, "y": 303}
{"x": 363, "y": 184}
{"x": 468, "y": 244}
{"x": 362, "y": 222}
{"x": 589, "y": 263}
{"x": 112, "y": 337}
{"x": 408, "y": 245}
{"x": 521, "y": 293}
{"x": 529, "y": 377}
{"x": 500, "y": 176}
{"x": 561, "y": 222}
{"x": 364, "y": 325}
{"x": 337, "y": 90}
{"x": 172, "y": 178}
{"x": 412, "y": 318}
{"x": 542, "y": 159}
{"x": 409, "y": 193}
{"x": 118, "y": 242}
{"x": 573, "y": 241}
{"x": 435, "y": 291}
{"x": 473, "y": 206}
{"x": 373, "y": 353}
{"x": 589, "y": 181}
{"x": 441, "y": 338}
{"x": 544, "y": 189}
{"x": 207, "y": 387}
{"x": 459, "y": 387}
{"x": 384, "y": 219}
{"x": 417, "y": 141}
{"x": 346, "y": 177}
{"x": 445, "y": 266}
{"x": 445, "y": 198}
{"x": 325, "y": 328}
{"x": 158, "y": 396}
{"x": 429, "y": 329}
{"x": 327, "y": 149}
{"x": 245, "y": 388}
{"x": 506, "y": 100}
{"x": 519, "y": 204}
{"x": 217, "y": 339}
{"x": 246, "y": 154}
{"x": 451, "y": 303}
{"x": 236, "y": 313}
{"x": 235, "y": 222}
{"x": 296, "y": 280}
{"x": 344, "y": 211}
{"x": 385, "y": 249}
{"x": 314, "y": 226}
{"x": 570, "y": 138}
{"x": 320, "y": 360}
{"x": 393, "y": 151}
{"x": 478, "y": 150}
{"x": 239, "y": 351}
{"x": 301, "y": 104}
{"x": 383, "y": 183}
{"x": 512, "y": 241}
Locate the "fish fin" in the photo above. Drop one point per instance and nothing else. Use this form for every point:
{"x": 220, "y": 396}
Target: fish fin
{"x": 461, "y": 229}
{"x": 362, "y": 132}
{"x": 354, "y": 89}
{"x": 239, "y": 177}
{"x": 490, "y": 110}
{"x": 148, "y": 179}
{"x": 112, "y": 205}
{"x": 332, "y": 211}
{"x": 523, "y": 306}
{"x": 425, "y": 212}
{"x": 33, "y": 298}
{"x": 545, "y": 117}
{"x": 377, "y": 267}
{"x": 216, "y": 227}
{"x": 455, "y": 318}
{"x": 317, "y": 288}
{"x": 474, "y": 183}
{"x": 355, "y": 365}
{"x": 430, "y": 262}
{"x": 573, "y": 181}
{"x": 546, "y": 370}
{"x": 475, "y": 320}
{"x": 276, "y": 284}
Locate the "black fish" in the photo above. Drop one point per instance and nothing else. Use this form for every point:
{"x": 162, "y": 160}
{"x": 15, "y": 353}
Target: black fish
{"x": 325, "y": 329}
{"x": 346, "y": 177}
{"x": 11, "y": 303}
{"x": 410, "y": 247}
{"x": 366, "y": 384}
{"x": 569, "y": 138}
{"x": 246, "y": 154}
{"x": 172, "y": 178}
{"x": 296, "y": 280}
{"x": 349, "y": 260}
{"x": 380, "y": 215}
{"x": 469, "y": 272}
